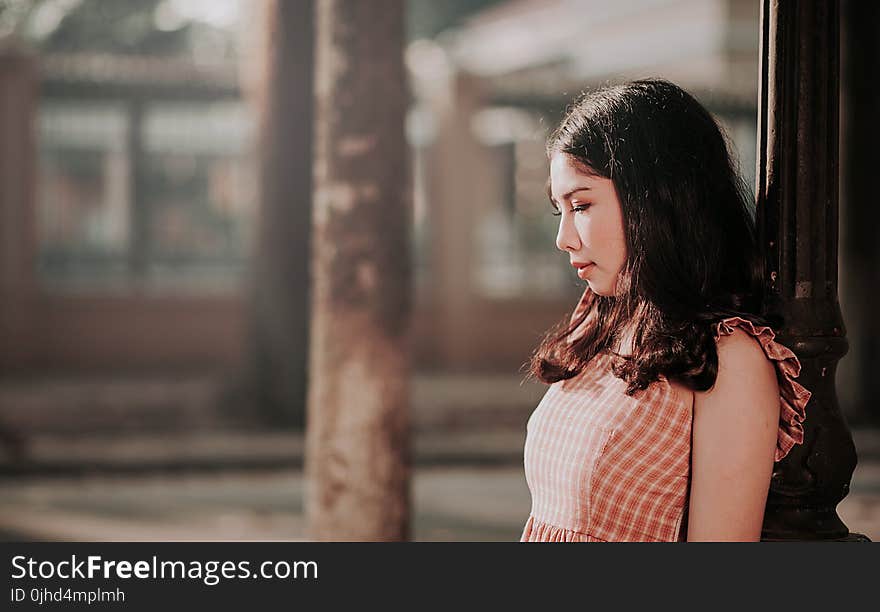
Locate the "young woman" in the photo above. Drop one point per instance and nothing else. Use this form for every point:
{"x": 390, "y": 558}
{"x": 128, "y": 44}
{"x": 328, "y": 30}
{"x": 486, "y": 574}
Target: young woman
{"x": 669, "y": 398}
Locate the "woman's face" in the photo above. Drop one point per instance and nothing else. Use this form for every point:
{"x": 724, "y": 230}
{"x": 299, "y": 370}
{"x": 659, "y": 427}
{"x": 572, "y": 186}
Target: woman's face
{"x": 590, "y": 223}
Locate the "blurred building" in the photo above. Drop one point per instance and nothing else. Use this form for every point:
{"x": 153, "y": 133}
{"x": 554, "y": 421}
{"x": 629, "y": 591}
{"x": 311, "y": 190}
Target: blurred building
{"x": 135, "y": 234}
{"x": 144, "y": 205}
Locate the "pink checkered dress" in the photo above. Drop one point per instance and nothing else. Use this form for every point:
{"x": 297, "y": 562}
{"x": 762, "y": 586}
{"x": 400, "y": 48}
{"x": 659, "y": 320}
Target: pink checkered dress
{"x": 605, "y": 467}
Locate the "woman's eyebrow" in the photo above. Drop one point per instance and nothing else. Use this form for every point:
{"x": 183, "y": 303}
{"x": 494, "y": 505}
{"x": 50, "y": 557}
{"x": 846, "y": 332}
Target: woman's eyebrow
{"x": 565, "y": 196}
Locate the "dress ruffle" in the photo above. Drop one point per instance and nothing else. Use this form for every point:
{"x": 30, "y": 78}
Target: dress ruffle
{"x": 539, "y": 531}
{"x": 793, "y": 395}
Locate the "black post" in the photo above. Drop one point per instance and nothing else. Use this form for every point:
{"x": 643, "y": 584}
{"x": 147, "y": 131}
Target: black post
{"x": 797, "y": 224}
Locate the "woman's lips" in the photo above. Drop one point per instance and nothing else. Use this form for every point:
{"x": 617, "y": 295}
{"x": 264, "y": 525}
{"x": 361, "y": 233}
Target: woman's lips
{"x": 584, "y": 271}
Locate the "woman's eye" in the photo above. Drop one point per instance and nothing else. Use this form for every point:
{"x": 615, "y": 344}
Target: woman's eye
{"x": 574, "y": 208}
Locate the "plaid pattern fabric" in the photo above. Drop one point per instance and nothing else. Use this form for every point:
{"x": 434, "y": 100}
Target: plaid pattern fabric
{"x": 603, "y": 466}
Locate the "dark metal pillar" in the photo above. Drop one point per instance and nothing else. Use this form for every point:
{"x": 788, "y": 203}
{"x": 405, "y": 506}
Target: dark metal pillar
{"x": 798, "y": 228}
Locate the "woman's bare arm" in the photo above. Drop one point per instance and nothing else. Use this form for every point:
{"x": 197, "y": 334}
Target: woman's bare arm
{"x": 734, "y": 441}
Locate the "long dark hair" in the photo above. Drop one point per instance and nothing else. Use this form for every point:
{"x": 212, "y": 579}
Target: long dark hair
{"x": 692, "y": 257}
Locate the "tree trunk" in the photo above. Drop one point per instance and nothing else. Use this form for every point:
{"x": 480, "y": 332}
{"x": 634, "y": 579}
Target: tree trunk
{"x": 19, "y": 88}
{"x": 357, "y": 451}
{"x": 278, "y": 342}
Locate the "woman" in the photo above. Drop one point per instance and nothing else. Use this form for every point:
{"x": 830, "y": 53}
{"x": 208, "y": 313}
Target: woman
{"x": 669, "y": 399}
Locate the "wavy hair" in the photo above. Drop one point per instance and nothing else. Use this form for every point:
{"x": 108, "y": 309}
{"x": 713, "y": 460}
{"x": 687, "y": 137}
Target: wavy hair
{"x": 692, "y": 257}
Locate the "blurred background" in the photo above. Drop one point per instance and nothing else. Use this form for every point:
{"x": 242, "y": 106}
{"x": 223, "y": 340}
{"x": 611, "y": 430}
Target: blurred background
{"x": 133, "y": 404}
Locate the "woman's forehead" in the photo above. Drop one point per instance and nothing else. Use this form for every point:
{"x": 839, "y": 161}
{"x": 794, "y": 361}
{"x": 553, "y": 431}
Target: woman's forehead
{"x": 565, "y": 165}
{"x": 568, "y": 174}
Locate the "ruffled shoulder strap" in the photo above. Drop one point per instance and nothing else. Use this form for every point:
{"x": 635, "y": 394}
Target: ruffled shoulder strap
{"x": 793, "y": 395}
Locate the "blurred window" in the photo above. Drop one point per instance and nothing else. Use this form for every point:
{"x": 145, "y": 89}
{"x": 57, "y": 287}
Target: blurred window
{"x": 83, "y": 211}
{"x": 195, "y": 181}
{"x": 147, "y": 177}
{"x": 515, "y": 247}
{"x": 199, "y": 187}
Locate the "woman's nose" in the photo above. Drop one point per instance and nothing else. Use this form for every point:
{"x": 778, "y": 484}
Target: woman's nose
{"x": 566, "y": 237}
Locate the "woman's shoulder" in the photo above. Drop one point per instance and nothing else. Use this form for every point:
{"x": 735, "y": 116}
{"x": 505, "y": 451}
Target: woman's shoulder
{"x": 748, "y": 351}
{"x": 755, "y": 371}
{"x": 741, "y": 356}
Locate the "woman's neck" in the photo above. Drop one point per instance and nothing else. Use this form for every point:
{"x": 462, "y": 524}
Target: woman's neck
{"x": 625, "y": 344}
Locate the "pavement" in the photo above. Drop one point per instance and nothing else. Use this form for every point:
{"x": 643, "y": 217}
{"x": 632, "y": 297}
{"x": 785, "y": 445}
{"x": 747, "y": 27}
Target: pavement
{"x": 469, "y": 486}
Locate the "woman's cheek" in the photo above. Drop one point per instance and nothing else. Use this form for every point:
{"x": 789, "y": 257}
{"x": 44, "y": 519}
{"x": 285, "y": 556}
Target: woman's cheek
{"x": 585, "y": 232}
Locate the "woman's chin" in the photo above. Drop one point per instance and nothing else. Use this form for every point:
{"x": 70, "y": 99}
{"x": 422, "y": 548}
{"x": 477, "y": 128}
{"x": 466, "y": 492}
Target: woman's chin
{"x": 598, "y": 289}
